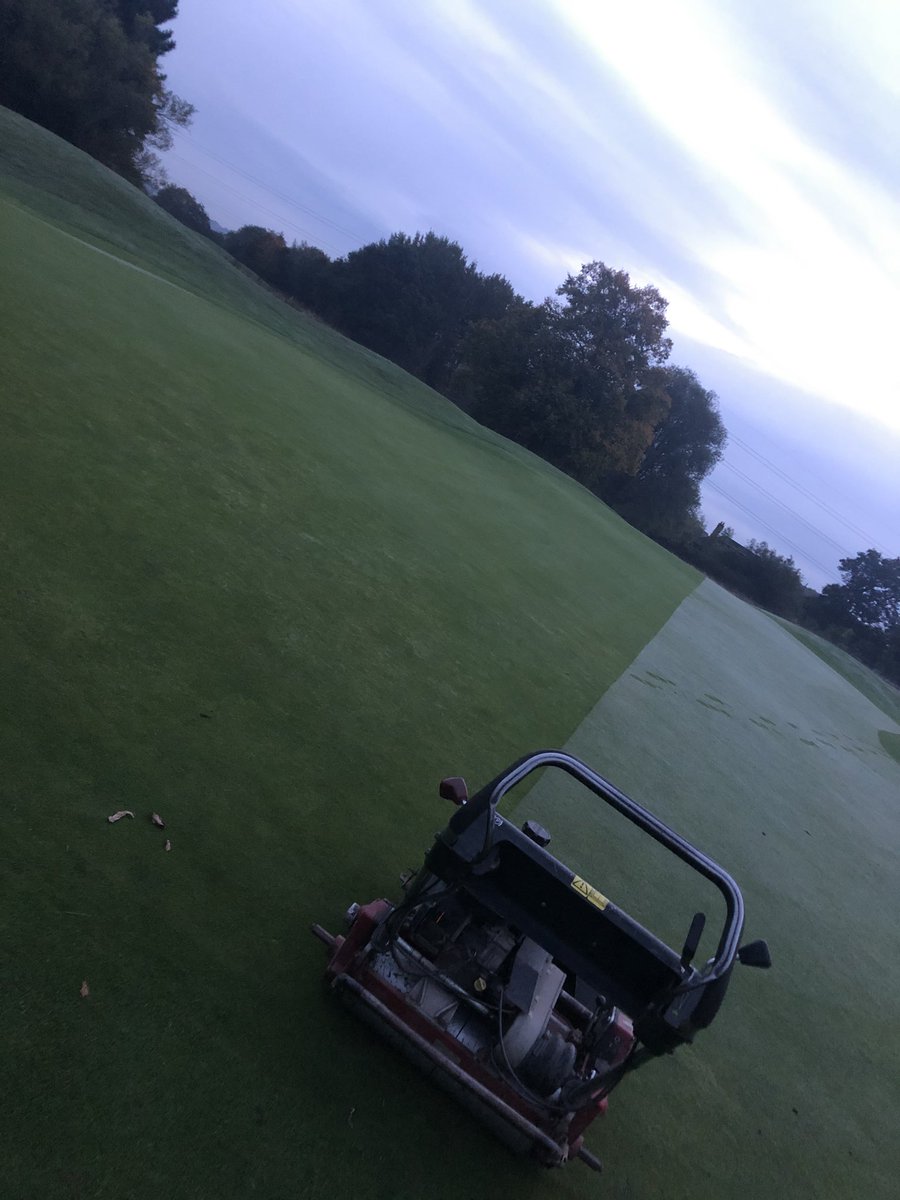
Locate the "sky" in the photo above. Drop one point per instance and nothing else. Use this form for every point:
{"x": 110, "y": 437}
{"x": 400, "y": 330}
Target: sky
{"x": 742, "y": 157}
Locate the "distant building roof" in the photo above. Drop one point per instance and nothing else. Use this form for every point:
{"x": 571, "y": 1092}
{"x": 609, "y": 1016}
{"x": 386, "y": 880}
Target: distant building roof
{"x": 737, "y": 547}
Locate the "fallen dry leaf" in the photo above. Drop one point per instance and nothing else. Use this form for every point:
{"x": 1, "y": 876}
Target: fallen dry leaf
{"x": 125, "y": 812}
{"x": 157, "y": 821}
{"x": 168, "y": 844}
{"x": 85, "y": 990}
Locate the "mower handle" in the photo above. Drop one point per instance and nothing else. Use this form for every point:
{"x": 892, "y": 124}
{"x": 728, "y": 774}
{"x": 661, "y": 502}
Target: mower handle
{"x": 491, "y": 795}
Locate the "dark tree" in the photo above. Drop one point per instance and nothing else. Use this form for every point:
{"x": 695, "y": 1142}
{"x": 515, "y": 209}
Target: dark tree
{"x": 579, "y": 382}
{"x": 663, "y": 497}
{"x": 828, "y": 611}
{"x": 88, "y": 71}
{"x": 862, "y": 614}
{"x": 308, "y": 277}
{"x": 871, "y": 589}
{"x": 412, "y": 300}
{"x": 179, "y": 203}
{"x": 496, "y": 360}
{"x": 516, "y": 377}
{"x": 616, "y": 328}
{"x": 691, "y": 438}
{"x": 756, "y": 571}
{"x": 774, "y": 581}
{"x": 141, "y": 20}
{"x": 262, "y": 250}
{"x": 616, "y": 338}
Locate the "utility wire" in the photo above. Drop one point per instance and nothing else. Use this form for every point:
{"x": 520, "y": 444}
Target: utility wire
{"x": 262, "y": 208}
{"x": 787, "y": 508}
{"x": 293, "y": 201}
{"x": 805, "y": 491}
{"x": 829, "y": 571}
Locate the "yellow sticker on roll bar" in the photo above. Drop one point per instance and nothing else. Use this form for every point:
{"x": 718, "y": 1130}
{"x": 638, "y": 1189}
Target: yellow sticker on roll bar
{"x": 590, "y": 893}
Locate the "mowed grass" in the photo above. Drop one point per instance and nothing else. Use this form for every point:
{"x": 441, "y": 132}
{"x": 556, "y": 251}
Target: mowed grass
{"x": 771, "y": 762}
{"x": 261, "y": 582}
{"x": 882, "y": 693}
{"x": 77, "y": 194}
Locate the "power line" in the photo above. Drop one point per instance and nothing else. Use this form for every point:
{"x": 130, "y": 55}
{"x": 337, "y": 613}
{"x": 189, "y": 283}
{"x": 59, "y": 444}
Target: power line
{"x": 805, "y": 491}
{"x": 262, "y": 208}
{"x": 272, "y": 191}
{"x": 829, "y": 571}
{"x": 787, "y": 508}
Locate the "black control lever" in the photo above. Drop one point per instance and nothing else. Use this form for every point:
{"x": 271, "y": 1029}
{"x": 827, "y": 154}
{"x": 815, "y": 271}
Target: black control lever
{"x": 692, "y": 941}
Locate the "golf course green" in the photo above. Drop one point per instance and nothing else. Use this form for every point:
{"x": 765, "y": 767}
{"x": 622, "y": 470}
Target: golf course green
{"x": 259, "y": 581}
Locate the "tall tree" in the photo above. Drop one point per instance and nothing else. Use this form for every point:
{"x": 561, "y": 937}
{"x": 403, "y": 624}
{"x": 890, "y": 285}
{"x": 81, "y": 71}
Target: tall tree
{"x": 515, "y": 376}
{"x": 862, "y": 614}
{"x": 773, "y": 580}
{"x": 578, "y": 381}
{"x": 262, "y": 250}
{"x": 141, "y": 20}
{"x": 412, "y": 300}
{"x": 88, "y": 71}
{"x": 179, "y": 203}
{"x": 871, "y": 589}
{"x": 663, "y": 497}
{"x": 616, "y": 337}
{"x": 308, "y": 277}
{"x": 756, "y": 571}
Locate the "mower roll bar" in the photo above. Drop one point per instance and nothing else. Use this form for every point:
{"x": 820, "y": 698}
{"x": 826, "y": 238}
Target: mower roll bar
{"x": 490, "y": 796}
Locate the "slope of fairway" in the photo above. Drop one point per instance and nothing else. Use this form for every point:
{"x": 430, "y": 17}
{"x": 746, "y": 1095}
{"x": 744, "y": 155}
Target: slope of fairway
{"x": 79, "y": 197}
{"x": 764, "y": 757}
{"x": 882, "y": 694}
{"x": 263, "y": 583}
{"x": 60, "y": 184}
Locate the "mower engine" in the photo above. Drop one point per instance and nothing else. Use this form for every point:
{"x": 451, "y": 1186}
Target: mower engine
{"x": 516, "y": 984}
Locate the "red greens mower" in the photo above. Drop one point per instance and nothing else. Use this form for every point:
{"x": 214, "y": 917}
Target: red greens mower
{"x": 516, "y": 984}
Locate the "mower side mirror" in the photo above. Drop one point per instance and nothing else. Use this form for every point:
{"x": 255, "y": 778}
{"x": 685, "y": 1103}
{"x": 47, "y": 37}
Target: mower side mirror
{"x": 454, "y": 788}
{"x": 755, "y": 954}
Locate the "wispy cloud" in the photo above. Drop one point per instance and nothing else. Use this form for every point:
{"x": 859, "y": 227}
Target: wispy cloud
{"x": 812, "y": 282}
{"x": 738, "y": 155}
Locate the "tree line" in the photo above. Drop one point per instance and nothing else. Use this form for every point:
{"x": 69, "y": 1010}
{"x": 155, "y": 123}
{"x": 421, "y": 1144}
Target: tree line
{"x": 862, "y": 612}
{"x": 583, "y": 378}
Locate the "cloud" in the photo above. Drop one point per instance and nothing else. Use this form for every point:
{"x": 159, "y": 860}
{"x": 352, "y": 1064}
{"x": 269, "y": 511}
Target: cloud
{"x": 818, "y": 282}
{"x": 799, "y": 473}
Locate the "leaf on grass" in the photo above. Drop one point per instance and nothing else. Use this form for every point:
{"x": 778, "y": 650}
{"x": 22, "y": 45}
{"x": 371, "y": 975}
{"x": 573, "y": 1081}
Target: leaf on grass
{"x": 125, "y": 812}
{"x": 157, "y": 821}
{"x": 168, "y": 844}
{"x": 85, "y": 990}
